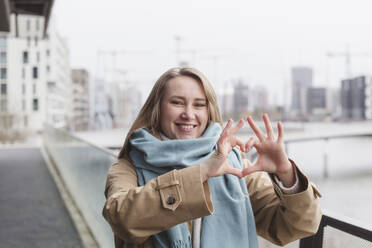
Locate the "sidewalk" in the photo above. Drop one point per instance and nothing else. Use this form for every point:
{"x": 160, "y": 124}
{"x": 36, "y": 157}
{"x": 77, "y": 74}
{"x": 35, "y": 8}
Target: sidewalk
{"x": 32, "y": 213}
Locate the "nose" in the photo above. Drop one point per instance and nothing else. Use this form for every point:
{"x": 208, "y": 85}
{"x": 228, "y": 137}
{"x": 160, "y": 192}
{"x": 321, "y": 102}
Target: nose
{"x": 188, "y": 113}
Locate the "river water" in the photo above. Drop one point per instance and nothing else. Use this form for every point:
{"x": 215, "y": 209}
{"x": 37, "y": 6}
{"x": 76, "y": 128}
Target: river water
{"x": 348, "y": 188}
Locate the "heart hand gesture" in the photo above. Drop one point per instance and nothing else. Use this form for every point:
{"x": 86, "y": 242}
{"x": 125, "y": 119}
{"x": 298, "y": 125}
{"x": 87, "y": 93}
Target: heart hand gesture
{"x": 271, "y": 153}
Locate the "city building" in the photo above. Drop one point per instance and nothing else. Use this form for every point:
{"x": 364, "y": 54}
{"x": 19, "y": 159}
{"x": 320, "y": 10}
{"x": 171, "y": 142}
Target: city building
{"x": 81, "y": 100}
{"x": 226, "y": 102}
{"x": 38, "y": 8}
{"x": 117, "y": 98}
{"x": 241, "y": 100}
{"x": 35, "y": 75}
{"x": 128, "y": 104}
{"x": 316, "y": 98}
{"x": 318, "y": 103}
{"x": 103, "y": 115}
{"x": 58, "y": 80}
{"x": 302, "y": 78}
{"x": 259, "y": 98}
{"x": 356, "y": 98}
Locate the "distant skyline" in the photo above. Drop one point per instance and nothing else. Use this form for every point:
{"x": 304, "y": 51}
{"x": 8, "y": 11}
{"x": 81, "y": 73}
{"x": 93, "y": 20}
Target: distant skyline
{"x": 257, "y": 42}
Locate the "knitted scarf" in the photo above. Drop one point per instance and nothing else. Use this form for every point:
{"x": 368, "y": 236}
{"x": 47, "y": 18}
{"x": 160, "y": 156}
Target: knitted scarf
{"x": 232, "y": 223}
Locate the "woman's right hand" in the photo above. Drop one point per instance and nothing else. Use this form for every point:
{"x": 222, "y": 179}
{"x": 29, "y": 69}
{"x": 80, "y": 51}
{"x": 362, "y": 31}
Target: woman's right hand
{"x": 217, "y": 164}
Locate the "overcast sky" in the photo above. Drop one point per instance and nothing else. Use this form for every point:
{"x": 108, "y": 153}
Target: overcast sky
{"x": 256, "y": 41}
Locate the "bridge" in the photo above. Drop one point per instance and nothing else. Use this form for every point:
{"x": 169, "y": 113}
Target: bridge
{"x": 64, "y": 163}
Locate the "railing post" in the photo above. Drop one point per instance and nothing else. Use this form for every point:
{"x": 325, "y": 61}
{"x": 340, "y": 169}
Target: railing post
{"x": 325, "y": 159}
{"x": 315, "y": 241}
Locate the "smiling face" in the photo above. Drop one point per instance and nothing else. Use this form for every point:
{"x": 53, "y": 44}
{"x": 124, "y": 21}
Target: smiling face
{"x": 184, "y": 109}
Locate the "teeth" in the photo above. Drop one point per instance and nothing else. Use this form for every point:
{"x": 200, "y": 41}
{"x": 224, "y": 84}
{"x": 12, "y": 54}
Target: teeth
{"x": 186, "y": 126}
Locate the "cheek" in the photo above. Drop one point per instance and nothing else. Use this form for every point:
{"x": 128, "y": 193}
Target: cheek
{"x": 169, "y": 115}
{"x": 204, "y": 118}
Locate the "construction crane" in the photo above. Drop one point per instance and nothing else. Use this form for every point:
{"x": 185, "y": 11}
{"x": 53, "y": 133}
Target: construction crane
{"x": 109, "y": 79}
{"x": 347, "y": 55}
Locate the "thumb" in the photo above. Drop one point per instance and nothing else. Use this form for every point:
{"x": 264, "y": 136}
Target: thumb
{"x": 234, "y": 171}
{"x": 251, "y": 169}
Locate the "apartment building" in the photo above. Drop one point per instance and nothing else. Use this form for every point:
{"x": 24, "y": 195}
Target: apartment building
{"x": 35, "y": 75}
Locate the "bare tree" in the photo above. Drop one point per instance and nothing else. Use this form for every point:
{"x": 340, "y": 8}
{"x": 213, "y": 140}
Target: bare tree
{"x": 10, "y": 131}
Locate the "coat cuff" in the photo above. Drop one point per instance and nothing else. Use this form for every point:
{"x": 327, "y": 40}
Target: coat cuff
{"x": 295, "y": 188}
{"x": 307, "y": 190}
{"x": 185, "y": 188}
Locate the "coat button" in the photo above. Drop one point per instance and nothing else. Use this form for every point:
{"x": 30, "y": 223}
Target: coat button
{"x": 171, "y": 200}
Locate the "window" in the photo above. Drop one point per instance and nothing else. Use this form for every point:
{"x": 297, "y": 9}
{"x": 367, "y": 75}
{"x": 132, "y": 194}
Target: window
{"x": 23, "y": 89}
{"x": 36, "y": 40}
{"x": 25, "y": 120}
{"x": 37, "y": 24}
{"x": 35, "y": 104}
{"x": 3, "y": 105}
{"x": 48, "y": 68}
{"x": 38, "y": 57}
{"x": 3, "y": 73}
{"x": 2, "y": 57}
{"x": 24, "y": 105}
{"x": 34, "y": 73}
{"x": 3, "y": 89}
{"x": 47, "y": 53}
{"x": 34, "y": 88}
{"x": 2, "y": 41}
{"x": 25, "y": 57}
{"x": 28, "y": 25}
{"x": 23, "y": 73}
{"x": 28, "y": 41}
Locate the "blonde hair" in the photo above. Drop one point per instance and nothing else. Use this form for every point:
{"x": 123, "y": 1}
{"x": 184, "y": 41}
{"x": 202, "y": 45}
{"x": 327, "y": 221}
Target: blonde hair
{"x": 149, "y": 115}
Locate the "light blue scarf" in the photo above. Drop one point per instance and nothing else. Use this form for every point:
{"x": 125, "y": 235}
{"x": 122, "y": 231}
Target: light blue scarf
{"x": 232, "y": 223}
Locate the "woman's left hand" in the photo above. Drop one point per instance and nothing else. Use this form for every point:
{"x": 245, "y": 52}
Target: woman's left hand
{"x": 271, "y": 153}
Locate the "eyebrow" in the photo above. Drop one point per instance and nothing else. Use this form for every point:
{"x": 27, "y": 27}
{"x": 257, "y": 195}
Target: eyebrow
{"x": 196, "y": 99}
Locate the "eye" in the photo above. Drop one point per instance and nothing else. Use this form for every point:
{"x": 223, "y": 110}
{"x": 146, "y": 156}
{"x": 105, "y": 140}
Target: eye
{"x": 200, "y": 105}
{"x": 176, "y": 102}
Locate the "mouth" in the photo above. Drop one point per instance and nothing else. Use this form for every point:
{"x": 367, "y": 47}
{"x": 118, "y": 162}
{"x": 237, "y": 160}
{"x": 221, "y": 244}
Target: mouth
{"x": 185, "y": 127}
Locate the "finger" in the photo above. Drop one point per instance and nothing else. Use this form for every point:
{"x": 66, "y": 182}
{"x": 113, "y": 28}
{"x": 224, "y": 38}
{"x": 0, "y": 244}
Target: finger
{"x": 280, "y": 132}
{"x": 255, "y": 129}
{"x": 237, "y": 127}
{"x": 234, "y": 171}
{"x": 269, "y": 129}
{"x": 240, "y": 143}
{"x": 228, "y": 125}
{"x": 252, "y": 141}
{"x": 250, "y": 170}
{"x": 225, "y": 132}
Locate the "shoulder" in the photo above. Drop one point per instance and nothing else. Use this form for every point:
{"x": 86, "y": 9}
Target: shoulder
{"x": 121, "y": 165}
{"x": 120, "y": 175}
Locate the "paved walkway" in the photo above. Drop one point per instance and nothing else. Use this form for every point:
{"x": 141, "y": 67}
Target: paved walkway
{"x": 32, "y": 213}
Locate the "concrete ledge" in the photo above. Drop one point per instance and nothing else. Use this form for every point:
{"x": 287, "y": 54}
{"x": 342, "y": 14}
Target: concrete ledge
{"x": 83, "y": 229}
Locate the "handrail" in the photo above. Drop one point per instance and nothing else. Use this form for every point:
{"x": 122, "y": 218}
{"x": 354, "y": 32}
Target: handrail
{"x": 323, "y": 137}
{"x": 344, "y": 224}
{"x": 104, "y": 149}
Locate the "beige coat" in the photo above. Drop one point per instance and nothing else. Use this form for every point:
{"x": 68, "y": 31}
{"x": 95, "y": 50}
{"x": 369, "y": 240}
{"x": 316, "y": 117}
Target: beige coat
{"x": 137, "y": 212}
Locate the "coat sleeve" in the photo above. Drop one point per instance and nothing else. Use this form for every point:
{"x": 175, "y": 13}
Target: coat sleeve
{"x": 137, "y": 212}
{"x": 283, "y": 218}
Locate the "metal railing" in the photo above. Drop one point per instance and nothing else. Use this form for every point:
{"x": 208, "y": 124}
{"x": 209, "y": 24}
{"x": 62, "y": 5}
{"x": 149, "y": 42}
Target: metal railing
{"x": 325, "y": 139}
{"x": 346, "y": 226}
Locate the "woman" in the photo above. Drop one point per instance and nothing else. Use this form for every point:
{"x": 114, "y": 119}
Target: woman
{"x": 180, "y": 180}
